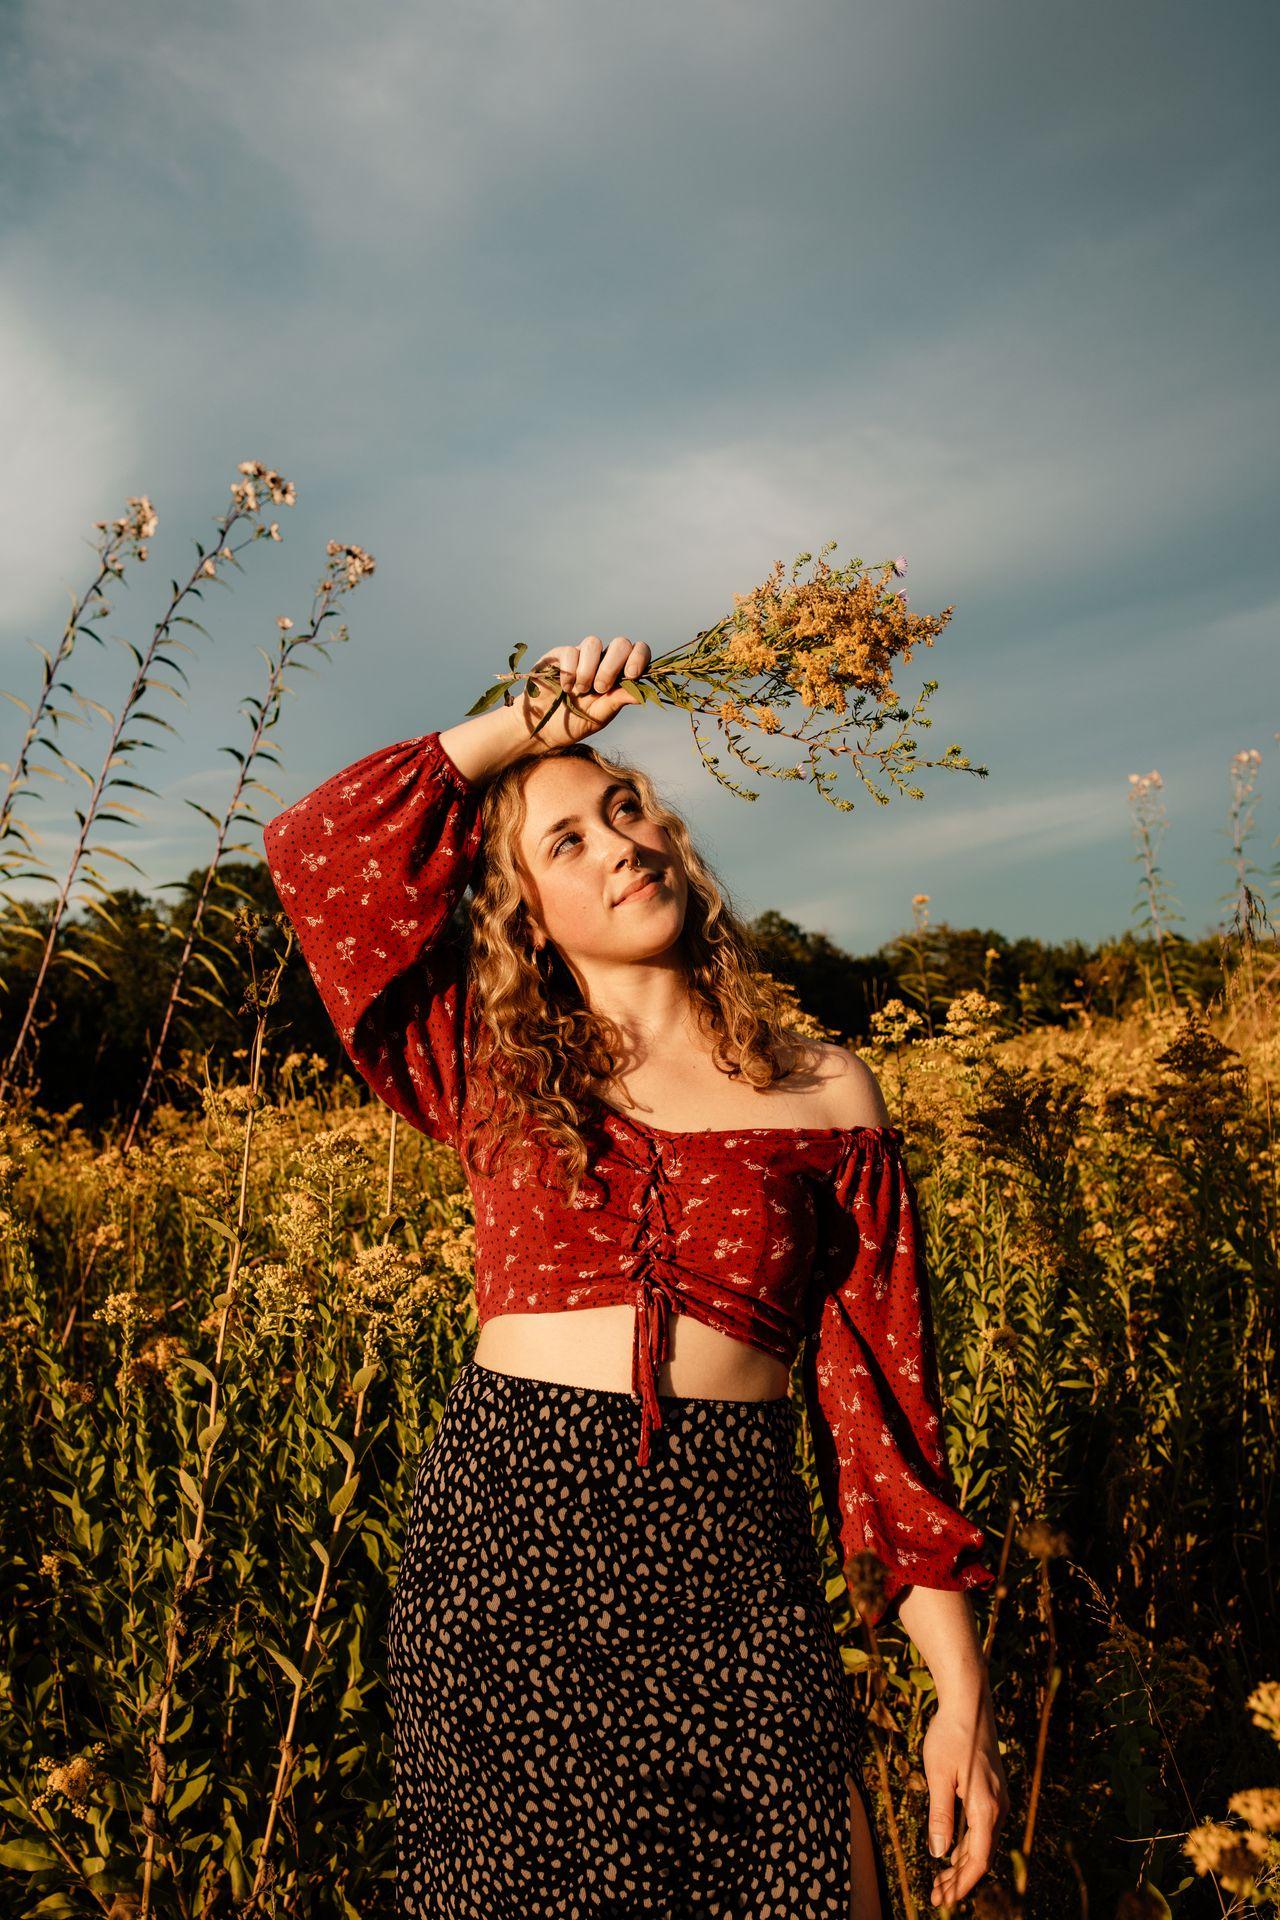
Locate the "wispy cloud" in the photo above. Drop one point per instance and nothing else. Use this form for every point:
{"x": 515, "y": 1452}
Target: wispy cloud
{"x": 67, "y": 439}
{"x": 580, "y": 318}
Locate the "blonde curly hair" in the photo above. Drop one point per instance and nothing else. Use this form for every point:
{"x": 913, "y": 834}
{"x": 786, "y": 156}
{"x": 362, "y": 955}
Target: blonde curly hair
{"x": 541, "y": 1051}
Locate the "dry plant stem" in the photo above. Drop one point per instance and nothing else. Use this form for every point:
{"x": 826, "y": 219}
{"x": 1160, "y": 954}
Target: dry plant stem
{"x": 1248, "y": 904}
{"x": 52, "y": 668}
{"x": 288, "y": 1751}
{"x": 1002, "y": 1585}
{"x": 1070, "y": 1852}
{"x": 886, "y": 1791}
{"x": 1052, "y": 1677}
{"x": 140, "y": 681}
{"x": 877, "y": 1678}
{"x": 206, "y": 1440}
{"x": 265, "y": 712}
{"x": 1146, "y": 818}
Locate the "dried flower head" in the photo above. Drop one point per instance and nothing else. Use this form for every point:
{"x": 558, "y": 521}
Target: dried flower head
{"x": 1042, "y": 1541}
{"x": 381, "y": 1277}
{"x": 451, "y": 1247}
{"x": 156, "y": 1363}
{"x": 229, "y": 1107}
{"x": 972, "y": 1026}
{"x": 131, "y": 529}
{"x": 334, "y": 1161}
{"x": 1264, "y": 1707}
{"x": 895, "y": 1024}
{"x": 1001, "y": 1342}
{"x": 301, "y": 1226}
{"x": 866, "y": 1576}
{"x": 230, "y": 1103}
{"x": 123, "y": 1310}
{"x": 348, "y": 565}
{"x": 1259, "y": 1806}
{"x": 1195, "y": 1052}
{"x": 280, "y": 1303}
{"x": 838, "y": 632}
{"x": 78, "y": 1781}
{"x": 387, "y": 1291}
{"x": 18, "y": 1334}
{"x": 1231, "y": 1854}
{"x": 259, "y": 480}
{"x": 991, "y": 1901}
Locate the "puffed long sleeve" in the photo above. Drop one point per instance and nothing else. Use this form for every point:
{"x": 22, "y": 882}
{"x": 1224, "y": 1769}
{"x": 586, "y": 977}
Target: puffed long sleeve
{"x": 871, "y": 1386}
{"x": 369, "y": 867}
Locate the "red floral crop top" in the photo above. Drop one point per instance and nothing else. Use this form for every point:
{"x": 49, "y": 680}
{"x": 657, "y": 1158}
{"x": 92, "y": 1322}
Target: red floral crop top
{"x": 772, "y": 1234}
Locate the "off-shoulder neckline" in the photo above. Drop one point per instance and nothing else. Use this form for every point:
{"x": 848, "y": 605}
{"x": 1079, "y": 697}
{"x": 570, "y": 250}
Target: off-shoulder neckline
{"x": 720, "y": 1133}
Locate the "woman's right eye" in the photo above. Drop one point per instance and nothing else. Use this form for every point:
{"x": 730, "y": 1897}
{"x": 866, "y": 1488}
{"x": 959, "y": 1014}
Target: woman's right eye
{"x": 565, "y": 838}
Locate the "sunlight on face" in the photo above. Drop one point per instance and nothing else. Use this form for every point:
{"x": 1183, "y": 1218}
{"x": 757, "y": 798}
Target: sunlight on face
{"x": 585, "y": 839}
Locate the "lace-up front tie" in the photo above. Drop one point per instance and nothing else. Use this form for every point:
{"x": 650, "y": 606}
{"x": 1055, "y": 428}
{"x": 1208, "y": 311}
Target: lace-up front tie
{"x": 657, "y": 1288}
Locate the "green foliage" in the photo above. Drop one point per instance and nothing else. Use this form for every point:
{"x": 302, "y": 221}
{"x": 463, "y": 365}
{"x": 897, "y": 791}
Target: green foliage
{"x": 291, "y": 1500}
{"x": 222, "y": 1352}
{"x": 212, "y": 1417}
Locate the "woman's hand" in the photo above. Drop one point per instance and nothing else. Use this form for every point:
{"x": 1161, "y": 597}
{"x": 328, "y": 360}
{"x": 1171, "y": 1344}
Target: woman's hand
{"x": 595, "y": 682}
{"x": 961, "y": 1759}
{"x": 593, "y": 679}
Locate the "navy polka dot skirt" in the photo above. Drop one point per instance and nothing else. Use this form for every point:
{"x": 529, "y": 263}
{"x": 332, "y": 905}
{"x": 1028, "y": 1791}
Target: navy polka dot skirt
{"x": 616, "y": 1689}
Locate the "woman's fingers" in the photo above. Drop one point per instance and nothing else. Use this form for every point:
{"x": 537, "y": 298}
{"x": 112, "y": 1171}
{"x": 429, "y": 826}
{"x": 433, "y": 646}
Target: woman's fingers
{"x": 593, "y": 668}
{"x": 564, "y": 661}
{"x": 973, "y": 1855}
{"x": 590, "y": 654}
{"x": 619, "y": 662}
{"x": 610, "y": 668}
{"x": 595, "y": 682}
{"x": 958, "y": 1880}
{"x": 942, "y": 1800}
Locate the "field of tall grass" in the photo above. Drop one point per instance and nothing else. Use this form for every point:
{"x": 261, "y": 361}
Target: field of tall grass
{"x": 230, "y": 1319}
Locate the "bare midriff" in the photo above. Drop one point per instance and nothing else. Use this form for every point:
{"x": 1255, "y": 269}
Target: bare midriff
{"x": 592, "y": 1347}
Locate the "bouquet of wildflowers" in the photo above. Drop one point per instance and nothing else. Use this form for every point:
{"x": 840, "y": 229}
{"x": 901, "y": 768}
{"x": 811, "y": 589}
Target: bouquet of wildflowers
{"x": 806, "y": 661}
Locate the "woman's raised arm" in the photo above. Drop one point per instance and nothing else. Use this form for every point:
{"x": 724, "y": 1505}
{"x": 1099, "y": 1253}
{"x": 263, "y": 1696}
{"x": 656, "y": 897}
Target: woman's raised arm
{"x": 372, "y": 864}
{"x": 369, "y": 867}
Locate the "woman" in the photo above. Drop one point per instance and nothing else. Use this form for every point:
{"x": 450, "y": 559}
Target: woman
{"x": 615, "y": 1679}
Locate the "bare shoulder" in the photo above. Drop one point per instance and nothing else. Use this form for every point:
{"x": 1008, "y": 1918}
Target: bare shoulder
{"x": 849, "y": 1091}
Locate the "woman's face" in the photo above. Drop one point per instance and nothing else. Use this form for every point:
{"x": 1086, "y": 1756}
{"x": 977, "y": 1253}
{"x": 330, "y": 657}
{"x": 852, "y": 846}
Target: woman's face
{"x": 585, "y": 842}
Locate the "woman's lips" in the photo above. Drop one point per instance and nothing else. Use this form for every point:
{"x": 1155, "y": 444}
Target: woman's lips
{"x": 642, "y": 892}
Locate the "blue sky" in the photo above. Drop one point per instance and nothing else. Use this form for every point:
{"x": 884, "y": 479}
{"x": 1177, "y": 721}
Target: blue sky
{"x": 578, "y": 317}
